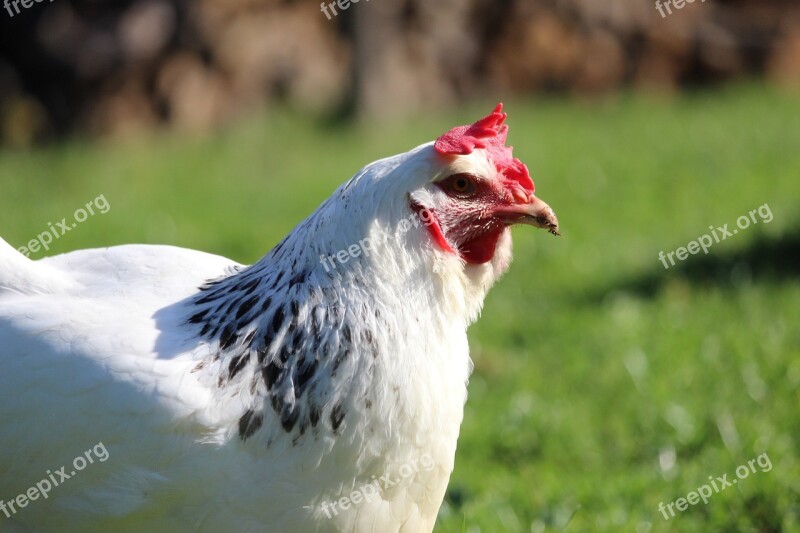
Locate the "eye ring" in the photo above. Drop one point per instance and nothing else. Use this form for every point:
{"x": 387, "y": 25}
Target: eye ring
{"x": 461, "y": 185}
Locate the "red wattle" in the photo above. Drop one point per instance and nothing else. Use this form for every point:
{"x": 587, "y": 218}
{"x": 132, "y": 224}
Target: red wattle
{"x": 481, "y": 249}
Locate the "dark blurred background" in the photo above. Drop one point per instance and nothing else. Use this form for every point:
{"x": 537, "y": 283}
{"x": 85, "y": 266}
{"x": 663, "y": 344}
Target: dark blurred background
{"x": 121, "y": 67}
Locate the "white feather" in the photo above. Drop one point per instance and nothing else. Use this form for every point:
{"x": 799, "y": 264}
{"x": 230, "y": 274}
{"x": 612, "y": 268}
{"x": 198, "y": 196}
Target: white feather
{"x": 95, "y": 347}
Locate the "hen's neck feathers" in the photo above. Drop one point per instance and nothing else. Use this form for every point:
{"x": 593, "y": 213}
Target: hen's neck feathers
{"x": 290, "y": 334}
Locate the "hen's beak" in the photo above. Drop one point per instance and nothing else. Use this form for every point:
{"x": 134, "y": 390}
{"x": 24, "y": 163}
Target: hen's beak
{"x": 534, "y": 213}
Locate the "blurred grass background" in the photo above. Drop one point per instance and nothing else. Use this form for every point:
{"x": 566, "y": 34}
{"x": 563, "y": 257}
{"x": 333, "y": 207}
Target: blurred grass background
{"x": 604, "y": 384}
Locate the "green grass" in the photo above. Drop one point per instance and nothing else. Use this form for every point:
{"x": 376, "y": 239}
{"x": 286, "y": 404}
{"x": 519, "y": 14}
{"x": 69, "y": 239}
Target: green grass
{"x": 592, "y": 360}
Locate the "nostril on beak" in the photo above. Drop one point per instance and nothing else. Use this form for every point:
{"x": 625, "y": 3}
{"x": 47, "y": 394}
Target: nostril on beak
{"x": 521, "y": 196}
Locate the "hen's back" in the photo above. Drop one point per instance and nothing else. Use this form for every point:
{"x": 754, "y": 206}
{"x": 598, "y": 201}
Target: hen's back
{"x": 93, "y": 349}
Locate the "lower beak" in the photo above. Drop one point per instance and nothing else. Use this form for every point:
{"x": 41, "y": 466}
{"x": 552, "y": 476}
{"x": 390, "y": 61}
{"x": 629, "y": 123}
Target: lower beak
{"x": 535, "y": 213}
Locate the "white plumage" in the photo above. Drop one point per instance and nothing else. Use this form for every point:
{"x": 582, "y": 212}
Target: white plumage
{"x": 233, "y": 398}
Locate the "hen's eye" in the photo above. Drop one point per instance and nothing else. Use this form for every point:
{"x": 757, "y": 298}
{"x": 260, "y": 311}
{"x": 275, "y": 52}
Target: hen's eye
{"x": 461, "y": 185}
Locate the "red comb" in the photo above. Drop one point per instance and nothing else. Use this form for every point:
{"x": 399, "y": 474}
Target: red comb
{"x": 490, "y": 134}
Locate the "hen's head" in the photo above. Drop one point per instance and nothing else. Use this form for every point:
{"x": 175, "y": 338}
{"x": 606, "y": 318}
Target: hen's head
{"x": 467, "y": 190}
{"x": 481, "y": 191}
{"x": 475, "y": 191}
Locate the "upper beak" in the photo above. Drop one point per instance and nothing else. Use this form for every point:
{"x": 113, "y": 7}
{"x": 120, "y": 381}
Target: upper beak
{"x": 534, "y": 213}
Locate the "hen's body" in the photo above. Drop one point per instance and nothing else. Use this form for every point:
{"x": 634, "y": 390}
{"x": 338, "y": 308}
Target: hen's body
{"x": 109, "y": 346}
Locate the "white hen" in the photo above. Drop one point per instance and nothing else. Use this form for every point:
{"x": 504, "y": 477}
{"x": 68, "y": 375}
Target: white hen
{"x": 162, "y": 389}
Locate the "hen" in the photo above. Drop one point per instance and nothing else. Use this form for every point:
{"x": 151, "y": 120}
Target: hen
{"x": 321, "y": 389}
